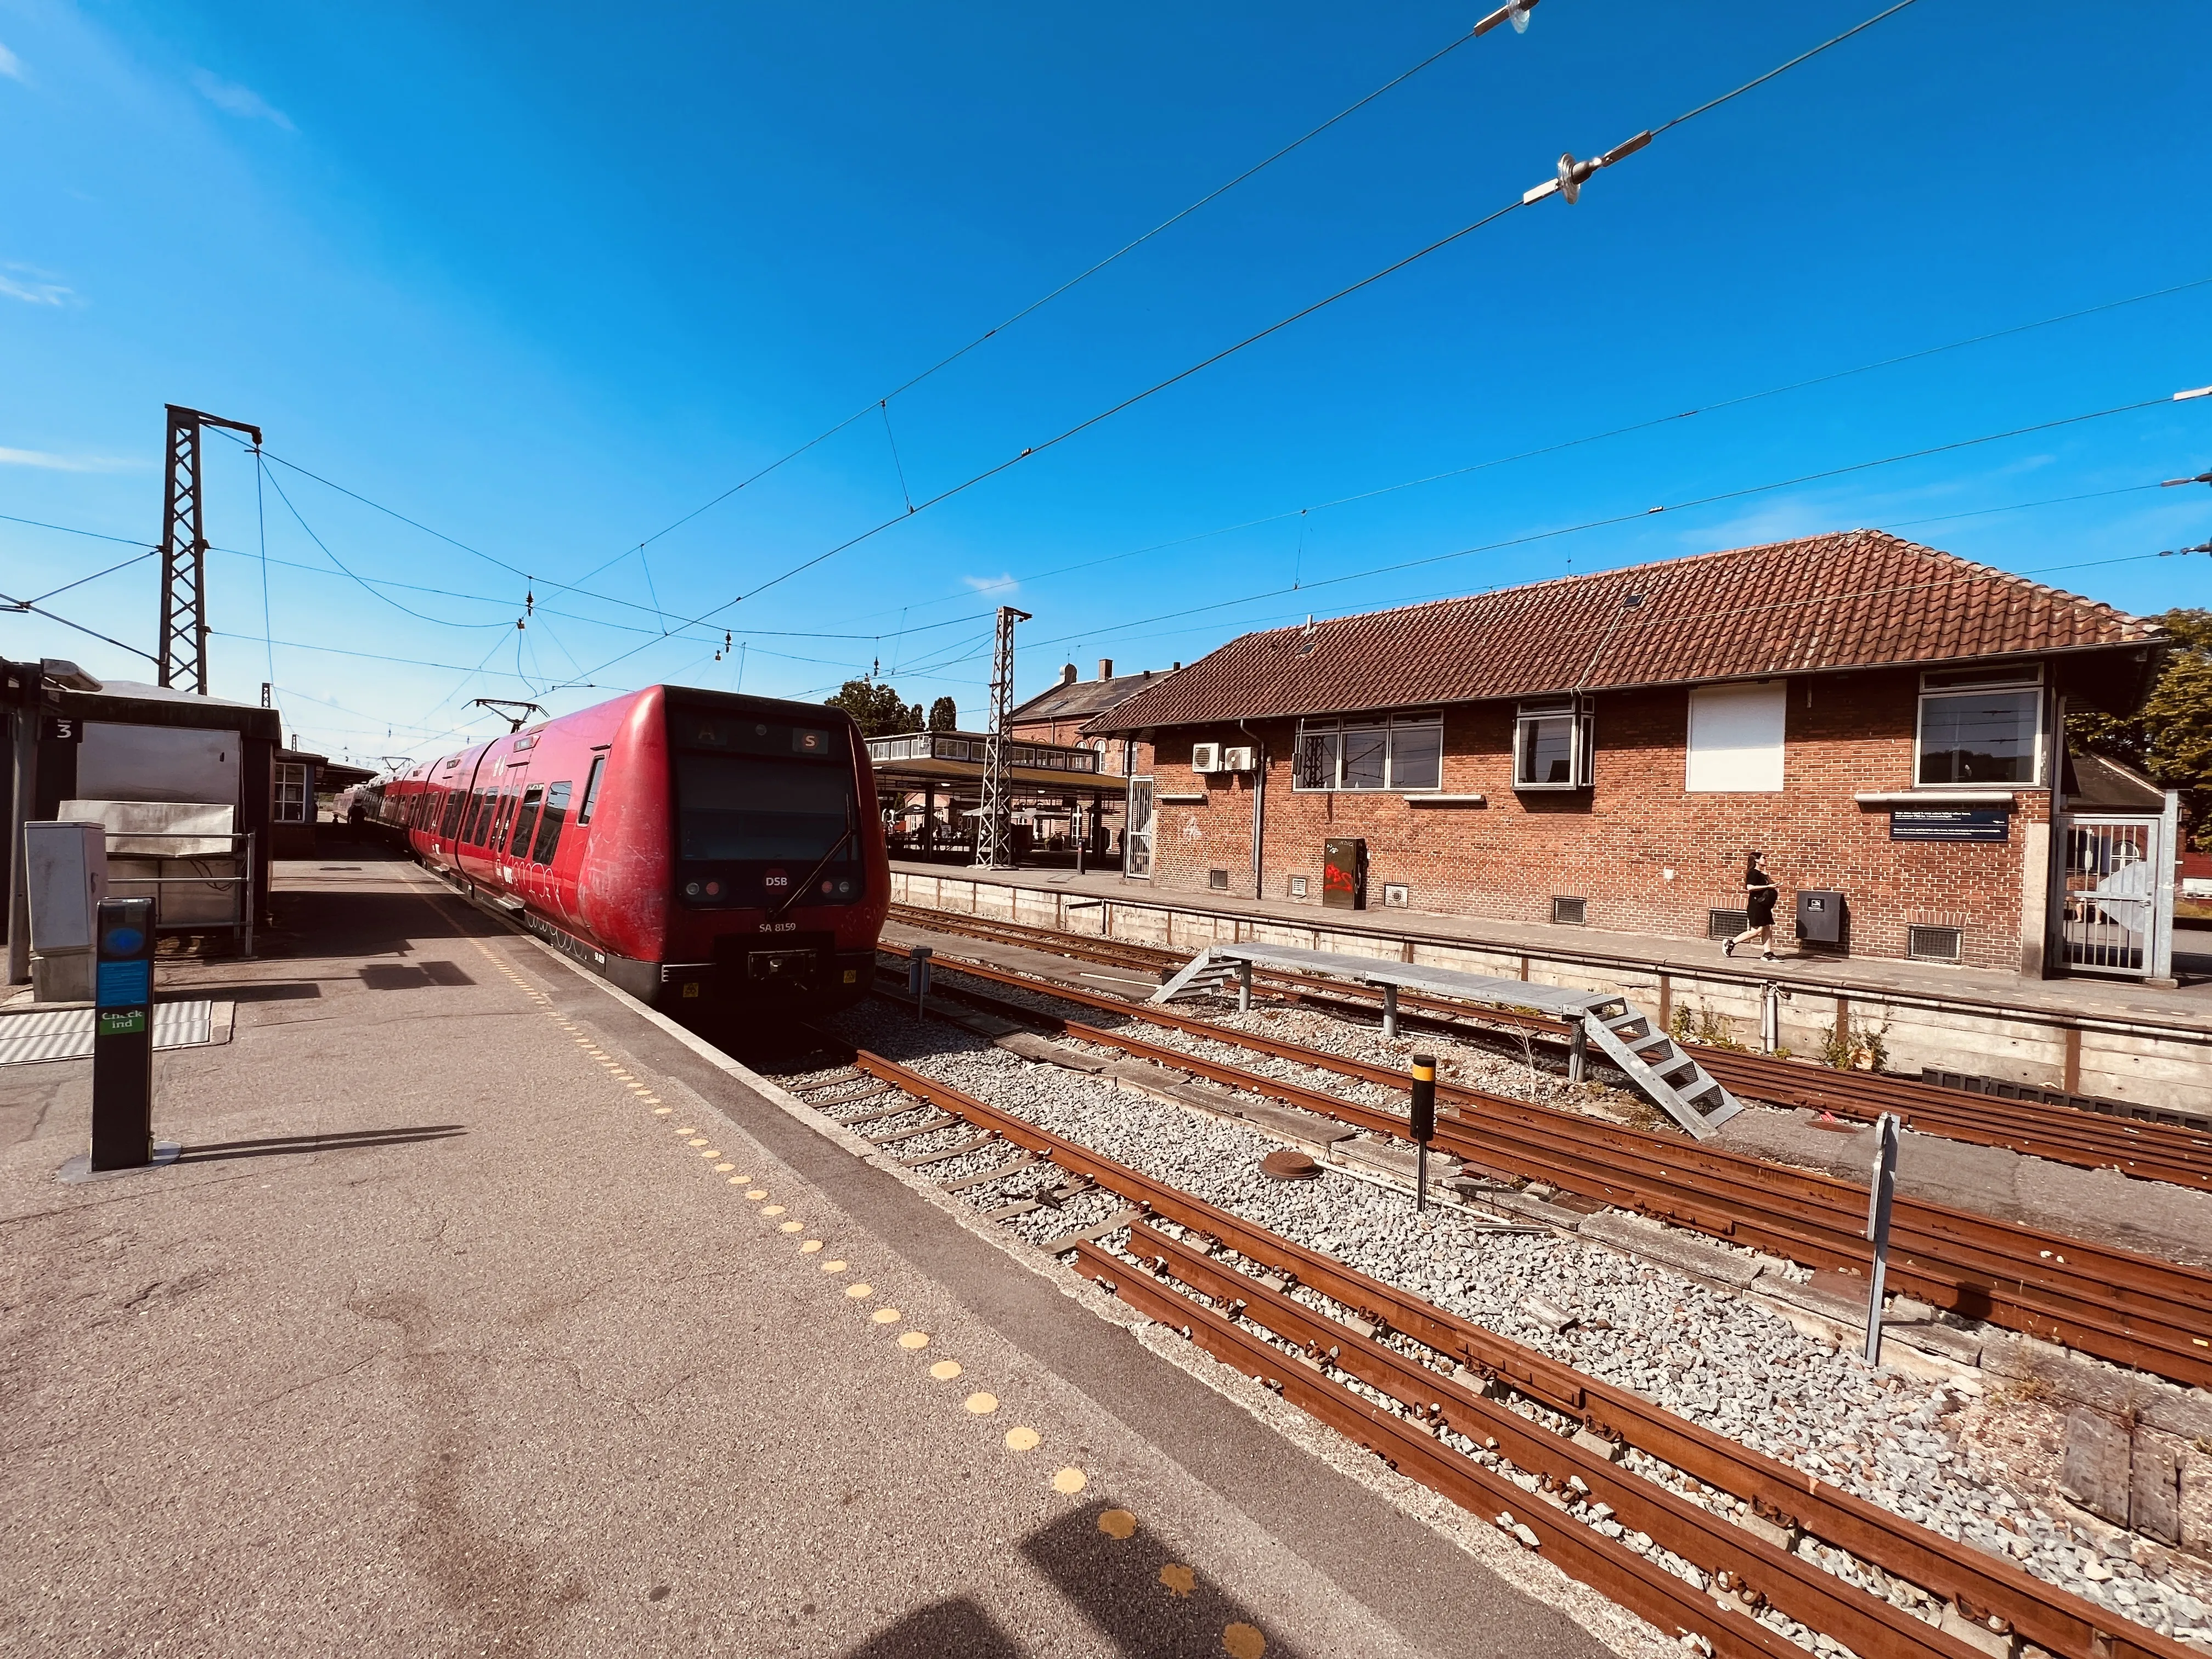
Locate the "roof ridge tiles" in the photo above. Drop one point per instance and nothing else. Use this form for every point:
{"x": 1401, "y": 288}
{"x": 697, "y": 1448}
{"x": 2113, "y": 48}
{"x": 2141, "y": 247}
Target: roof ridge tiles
{"x": 1840, "y": 599}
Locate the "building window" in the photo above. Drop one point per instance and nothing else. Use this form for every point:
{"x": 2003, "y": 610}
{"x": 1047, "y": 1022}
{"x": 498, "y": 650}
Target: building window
{"x": 1983, "y": 726}
{"x": 1736, "y": 739}
{"x": 291, "y": 800}
{"x": 1388, "y": 753}
{"x": 1552, "y": 741}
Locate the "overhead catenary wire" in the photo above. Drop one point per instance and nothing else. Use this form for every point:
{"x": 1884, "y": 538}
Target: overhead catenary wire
{"x": 1633, "y": 514}
{"x": 355, "y": 577}
{"x": 9, "y": 601}
{"x": 1633, "y": 427}
{"x": 1619, "y": 151}
{"x": 1357, "y": 496}
{"x": 135, "y": 558}
{"x": 1482, "y": 27}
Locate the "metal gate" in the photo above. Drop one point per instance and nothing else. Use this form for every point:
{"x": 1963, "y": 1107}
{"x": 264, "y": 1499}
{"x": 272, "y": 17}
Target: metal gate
{"x": 1137, "y": 839}
{"x": 2118, "y": 915}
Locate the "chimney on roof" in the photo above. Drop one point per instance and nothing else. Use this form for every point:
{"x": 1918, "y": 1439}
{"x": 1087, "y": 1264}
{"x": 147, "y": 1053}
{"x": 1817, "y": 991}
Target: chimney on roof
{"x": 1173, "y": 666}
{"x": 1067, "y": 673}
{"x": 1105, "y": 668}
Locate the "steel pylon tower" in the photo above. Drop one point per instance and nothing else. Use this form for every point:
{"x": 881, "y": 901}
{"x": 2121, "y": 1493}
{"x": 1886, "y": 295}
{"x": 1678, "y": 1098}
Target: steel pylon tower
{"x": 994, "y": 837}
{"x": 183, "y": 638}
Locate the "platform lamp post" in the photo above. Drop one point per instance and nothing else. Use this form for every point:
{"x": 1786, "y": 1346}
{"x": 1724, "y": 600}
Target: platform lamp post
{"x": 1424, "y": 1125}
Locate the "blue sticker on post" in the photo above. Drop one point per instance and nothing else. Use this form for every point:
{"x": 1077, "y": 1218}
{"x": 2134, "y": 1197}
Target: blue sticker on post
{"x": 124, "y": 984}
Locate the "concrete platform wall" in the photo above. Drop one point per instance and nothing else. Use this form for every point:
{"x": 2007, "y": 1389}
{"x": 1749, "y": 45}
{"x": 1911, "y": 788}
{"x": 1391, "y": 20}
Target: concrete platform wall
{"x": 2167, "y": 1067}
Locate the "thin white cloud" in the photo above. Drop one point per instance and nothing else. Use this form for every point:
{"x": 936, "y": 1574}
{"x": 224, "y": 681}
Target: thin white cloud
{"x": 33, "y": 286}
{"x": 12, "y": 66}
{"x": 1003, "y": 583}
{"x": 234, "y": 99}
{"x": 46, "y": 463}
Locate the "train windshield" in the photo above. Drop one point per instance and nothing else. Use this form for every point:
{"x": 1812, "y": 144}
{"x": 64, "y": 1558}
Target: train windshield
{"x": 753, "y": 807}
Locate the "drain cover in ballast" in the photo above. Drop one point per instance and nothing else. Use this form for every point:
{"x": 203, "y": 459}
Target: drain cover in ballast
{"x": 1284, "y": 1164}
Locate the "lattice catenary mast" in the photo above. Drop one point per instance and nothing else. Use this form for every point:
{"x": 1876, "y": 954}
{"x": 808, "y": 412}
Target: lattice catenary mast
{"x": 183, "y": 638}
{"x": 995, "y": 835}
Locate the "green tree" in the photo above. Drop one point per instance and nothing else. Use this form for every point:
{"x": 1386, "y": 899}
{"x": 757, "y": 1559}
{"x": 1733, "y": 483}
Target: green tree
{"x": 2170, "y": 738}
{"x": 878, "y": 710}
{"x": 944, "y": 715}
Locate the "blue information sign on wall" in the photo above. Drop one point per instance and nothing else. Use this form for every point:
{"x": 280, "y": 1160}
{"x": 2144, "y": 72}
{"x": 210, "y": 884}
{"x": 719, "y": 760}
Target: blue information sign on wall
{"x": 1950, "y": 823}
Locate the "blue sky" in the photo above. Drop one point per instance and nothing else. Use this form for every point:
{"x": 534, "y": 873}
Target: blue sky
{"x": 547, "y": 280}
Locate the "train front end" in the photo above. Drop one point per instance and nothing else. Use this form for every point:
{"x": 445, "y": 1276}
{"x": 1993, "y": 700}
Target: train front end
{"x": 778, "y": 880}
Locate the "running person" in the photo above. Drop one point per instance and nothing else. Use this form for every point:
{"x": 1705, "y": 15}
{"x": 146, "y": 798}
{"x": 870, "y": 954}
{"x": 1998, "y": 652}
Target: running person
{"x": 1759, "y": 894}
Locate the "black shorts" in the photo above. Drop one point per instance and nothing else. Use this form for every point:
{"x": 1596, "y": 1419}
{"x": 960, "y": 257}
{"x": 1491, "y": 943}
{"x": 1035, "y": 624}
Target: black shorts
{"x": 1759, "y": 912}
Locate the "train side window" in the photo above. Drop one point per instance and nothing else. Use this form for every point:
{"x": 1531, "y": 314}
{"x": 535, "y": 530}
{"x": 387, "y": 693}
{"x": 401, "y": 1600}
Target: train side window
{"x": 501, "y": 801}
{"x": 527, "y": 820}
{"x": 592, "y": 789}
{"x": 473, "y": 819}
{"x": 549, "y": 820}
{"x": 456, "y": 803}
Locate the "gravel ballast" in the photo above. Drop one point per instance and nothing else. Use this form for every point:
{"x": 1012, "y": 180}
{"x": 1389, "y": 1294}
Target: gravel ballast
{"x": 1707, "y": 1354}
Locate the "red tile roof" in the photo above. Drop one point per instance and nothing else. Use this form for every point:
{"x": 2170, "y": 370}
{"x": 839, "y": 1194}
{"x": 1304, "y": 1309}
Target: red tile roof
{"x": 1857, "y": 598}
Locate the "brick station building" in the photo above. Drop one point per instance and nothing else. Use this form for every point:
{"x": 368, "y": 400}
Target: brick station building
{"x": 1881, "y": 719}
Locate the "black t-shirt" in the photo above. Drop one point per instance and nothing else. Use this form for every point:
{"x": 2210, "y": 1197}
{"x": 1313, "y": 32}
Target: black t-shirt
{"x": 1759, "y": 905}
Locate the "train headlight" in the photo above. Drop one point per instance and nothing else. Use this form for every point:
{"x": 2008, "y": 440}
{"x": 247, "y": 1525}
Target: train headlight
{"x": 691, "y": 890}
{"x": 714, "y": 889}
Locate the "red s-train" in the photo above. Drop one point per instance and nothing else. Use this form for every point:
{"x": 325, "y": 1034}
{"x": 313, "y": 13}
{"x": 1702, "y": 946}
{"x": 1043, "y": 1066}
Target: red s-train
{"x": 703, "y": 851}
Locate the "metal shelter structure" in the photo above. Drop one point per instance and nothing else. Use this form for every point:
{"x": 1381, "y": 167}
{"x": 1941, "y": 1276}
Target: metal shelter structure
{"x": 1628, "y": 1037}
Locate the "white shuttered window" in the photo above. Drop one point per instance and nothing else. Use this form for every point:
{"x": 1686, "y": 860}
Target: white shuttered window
{"x": 1736, "y": 739}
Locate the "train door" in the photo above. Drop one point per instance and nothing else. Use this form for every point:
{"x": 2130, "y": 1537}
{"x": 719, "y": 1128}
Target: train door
{"x": 502, "y": 819}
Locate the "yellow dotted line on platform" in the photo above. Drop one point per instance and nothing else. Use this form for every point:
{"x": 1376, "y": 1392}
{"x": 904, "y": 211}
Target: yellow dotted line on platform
{"x": 1238, "y": 1640}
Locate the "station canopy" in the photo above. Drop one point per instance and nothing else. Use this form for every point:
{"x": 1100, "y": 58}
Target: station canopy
{"x": 951, "y": 764}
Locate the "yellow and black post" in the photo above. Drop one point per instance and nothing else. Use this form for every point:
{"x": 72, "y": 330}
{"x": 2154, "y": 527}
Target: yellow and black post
{"x": 1424, "y": 1124}
{"x": 122, "y": 1035}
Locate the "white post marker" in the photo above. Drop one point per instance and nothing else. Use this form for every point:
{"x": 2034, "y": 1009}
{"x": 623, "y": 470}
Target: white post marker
{"x": 1880, "y": 1196}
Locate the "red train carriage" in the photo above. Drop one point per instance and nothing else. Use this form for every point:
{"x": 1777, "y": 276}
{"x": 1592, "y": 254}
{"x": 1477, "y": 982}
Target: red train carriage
{"x": 701, "y": 850}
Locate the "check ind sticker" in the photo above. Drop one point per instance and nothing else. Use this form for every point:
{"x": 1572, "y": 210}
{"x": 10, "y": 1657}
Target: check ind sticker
{"x": 124, "y": 984}
{"x": 121, "y": 1022}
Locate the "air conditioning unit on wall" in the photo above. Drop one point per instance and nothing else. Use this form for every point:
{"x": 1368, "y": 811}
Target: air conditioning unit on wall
{"x": 1206, "y": 758}
{"x": 1237, "y": 760}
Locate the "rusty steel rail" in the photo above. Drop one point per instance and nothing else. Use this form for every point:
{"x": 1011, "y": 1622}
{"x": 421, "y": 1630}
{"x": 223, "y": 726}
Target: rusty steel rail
{"x": 2062, "y": 1134}
{"x": 2120, "y": 1305}
{"x": 1978, "y": 1586}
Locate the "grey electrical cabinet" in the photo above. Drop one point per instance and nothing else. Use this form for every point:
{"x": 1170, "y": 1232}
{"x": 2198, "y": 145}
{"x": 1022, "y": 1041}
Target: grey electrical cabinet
{"x": 1821, "y": 916}
{"x": 66, "y": 867}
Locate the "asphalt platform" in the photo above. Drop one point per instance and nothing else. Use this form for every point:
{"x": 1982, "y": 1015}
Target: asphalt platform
{"x": 476, "y": 1317}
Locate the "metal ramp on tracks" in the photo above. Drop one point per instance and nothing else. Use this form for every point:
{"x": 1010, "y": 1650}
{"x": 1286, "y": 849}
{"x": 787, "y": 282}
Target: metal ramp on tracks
{"x": 1627, "y": 1037}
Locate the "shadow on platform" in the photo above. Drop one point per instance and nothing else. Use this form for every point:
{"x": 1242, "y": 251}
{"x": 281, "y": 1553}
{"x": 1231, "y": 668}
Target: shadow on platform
{"x": 336, "y": 1141}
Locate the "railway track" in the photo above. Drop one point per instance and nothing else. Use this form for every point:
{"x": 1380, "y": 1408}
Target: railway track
{"x": 2118, "y": 1305}
{"x": 1615, "y": 1491}
{"x": 2147, "y": 1152}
